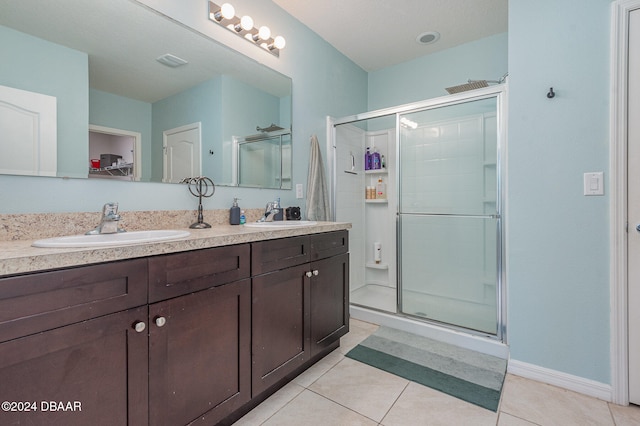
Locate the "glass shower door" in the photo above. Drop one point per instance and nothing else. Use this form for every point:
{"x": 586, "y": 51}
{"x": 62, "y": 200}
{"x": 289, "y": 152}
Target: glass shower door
{"x": 449, "y": 224}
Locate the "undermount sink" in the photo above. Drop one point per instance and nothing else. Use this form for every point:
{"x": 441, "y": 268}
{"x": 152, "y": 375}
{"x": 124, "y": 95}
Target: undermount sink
{"x": 281, "y": 224}
{"x": 107, "y": 240}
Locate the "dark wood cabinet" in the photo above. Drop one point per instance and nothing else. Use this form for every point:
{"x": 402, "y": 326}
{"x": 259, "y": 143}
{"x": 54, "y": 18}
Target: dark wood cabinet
{"x": 90, "y": 373}
{"x": 196, "y": 337}
{"x": 300, "y": 310}
{"x": 199, "y": 355}
{"x": 280, "y": 325}
{"x": 329, "y": 306}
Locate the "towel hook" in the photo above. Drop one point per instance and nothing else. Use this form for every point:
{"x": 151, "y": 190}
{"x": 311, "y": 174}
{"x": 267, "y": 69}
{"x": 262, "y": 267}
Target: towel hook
{"x": 551, "y": 94}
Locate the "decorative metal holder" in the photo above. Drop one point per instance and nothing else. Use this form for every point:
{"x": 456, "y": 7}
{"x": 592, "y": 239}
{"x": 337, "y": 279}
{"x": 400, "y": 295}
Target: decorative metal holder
{"x": 200, "y": 186}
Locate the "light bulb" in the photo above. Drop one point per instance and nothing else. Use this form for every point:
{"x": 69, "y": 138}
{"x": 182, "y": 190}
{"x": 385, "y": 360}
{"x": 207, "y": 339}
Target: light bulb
{"x": 246, "y": 23}
{"x": 264, "y": 33}
{"x": 279, "y": 42}
{"x": 227, "y": 11}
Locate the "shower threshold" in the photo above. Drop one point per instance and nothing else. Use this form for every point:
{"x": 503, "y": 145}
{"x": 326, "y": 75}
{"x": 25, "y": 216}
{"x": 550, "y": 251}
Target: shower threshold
{"x": 480, "y": 343}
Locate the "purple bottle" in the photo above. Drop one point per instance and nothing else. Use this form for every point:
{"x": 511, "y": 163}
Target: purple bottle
{"x": 368, "y": 160}
{"x": 375, "y": 159}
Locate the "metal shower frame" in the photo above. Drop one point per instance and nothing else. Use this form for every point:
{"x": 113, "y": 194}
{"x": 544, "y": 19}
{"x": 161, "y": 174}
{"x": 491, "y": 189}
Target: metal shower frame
{"x": 496, "y": 91}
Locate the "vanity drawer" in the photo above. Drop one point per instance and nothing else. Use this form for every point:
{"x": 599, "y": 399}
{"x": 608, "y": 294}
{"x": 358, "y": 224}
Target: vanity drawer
{"x": 272, "y": 255}
{"x": 174, "y": 275}
{"x": 46, "y": 300}
{"x": 329, "y": 244}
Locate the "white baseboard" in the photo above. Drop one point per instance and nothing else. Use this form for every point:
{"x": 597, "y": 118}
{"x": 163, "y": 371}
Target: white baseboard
{"x": 581, "y": 385}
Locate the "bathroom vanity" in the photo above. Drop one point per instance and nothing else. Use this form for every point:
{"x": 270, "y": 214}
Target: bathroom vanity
{"x": 184, "y": 332}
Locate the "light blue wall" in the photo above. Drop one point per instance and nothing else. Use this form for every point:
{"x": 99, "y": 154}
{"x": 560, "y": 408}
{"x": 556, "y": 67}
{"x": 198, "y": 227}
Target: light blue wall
{"x": 558, "y": 241}
{"x": 39, "y": 66}
{"x": 201, "y": 103}
{"x": 426, "y": 77}
{"x": 324, "y": 83}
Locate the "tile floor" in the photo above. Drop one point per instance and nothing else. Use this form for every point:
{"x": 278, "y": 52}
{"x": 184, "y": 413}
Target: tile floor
{"x": 340, "y": 391}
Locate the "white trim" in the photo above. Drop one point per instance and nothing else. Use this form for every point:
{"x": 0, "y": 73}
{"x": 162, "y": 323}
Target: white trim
{"x": 619, "y": 351}
{"x": 578, "y": 384}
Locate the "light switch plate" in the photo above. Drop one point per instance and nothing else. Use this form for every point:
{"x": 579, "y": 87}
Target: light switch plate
{"x": 594, "y": 183}
{"x": 299, "y": 190}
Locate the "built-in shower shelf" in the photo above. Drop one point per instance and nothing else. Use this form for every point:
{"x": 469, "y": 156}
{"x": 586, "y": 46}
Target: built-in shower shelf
{"x": 376, "y": 172}
{"x": 374, "y": 265}
{"x": 374, "y": 201}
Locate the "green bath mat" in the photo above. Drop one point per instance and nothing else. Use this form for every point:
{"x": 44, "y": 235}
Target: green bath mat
{"x": 471, "y": 376}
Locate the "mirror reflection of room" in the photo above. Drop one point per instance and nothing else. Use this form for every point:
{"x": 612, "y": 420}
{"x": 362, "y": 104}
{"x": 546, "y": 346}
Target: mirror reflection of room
{"x": 160, "y": 84}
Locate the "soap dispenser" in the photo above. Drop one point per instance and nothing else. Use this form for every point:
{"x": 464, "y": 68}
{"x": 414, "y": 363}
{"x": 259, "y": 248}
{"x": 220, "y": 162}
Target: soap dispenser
{"x": 234, "y": 213}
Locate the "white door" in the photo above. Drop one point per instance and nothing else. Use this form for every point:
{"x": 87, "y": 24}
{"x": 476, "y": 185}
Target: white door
{"x": 633, "y": 173}
{"x": 182, "y": 153}
{"x": 28, "y": 133}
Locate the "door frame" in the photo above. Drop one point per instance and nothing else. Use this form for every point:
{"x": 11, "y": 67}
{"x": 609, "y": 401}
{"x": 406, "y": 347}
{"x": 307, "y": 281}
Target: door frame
{"x": 618, "y": 187}
{"x": 137, "y": 145}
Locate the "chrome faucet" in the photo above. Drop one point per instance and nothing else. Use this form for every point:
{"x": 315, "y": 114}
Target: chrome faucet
{"x": 109, "y": 221}
{"x": 272, "y": 208}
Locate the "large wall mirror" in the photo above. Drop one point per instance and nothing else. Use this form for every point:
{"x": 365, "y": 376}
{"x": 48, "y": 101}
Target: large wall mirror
{"x": 105, "y": 77}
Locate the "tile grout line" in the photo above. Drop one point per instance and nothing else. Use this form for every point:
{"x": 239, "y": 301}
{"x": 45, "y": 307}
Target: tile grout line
{"x": 394, "y": 402}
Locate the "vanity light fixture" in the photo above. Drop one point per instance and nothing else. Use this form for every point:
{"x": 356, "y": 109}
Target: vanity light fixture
{"x": 244, "y": 27}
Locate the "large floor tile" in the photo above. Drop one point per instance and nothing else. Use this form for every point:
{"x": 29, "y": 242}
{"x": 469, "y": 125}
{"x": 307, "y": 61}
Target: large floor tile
{"x": 311, "y": 409}
{"x": 421, "y": 405}
{"x": 355, "y": 335}
{"x": 549, "y": 405}
{"x": 360, "y": 387}
{"x": 625, "y": 416}
{"x": 270, "y": 406}
{"x": 319, "y": 368}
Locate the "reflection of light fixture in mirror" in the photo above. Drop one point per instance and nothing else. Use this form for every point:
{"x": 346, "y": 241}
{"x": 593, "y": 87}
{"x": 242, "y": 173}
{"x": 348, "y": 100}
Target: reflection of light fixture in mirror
{"x": 244, "y": 27}
{"x": 171, "y": 60}
{"x": 405, "y": 122}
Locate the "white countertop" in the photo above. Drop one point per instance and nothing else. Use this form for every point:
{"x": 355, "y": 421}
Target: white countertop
{"x": 17, "y": 257}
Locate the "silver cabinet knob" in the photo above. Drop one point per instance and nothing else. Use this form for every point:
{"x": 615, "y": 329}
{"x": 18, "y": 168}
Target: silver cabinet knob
{"x": 309, "y": 274}
{"x": 160, "y": 321}
{"x": 638, "y": 227}
{"x": 315, "y": 272}
{"x": 139, "y": 326}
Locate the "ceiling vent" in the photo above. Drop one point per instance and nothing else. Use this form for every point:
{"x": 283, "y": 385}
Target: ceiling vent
{"x": 170, "y": 60}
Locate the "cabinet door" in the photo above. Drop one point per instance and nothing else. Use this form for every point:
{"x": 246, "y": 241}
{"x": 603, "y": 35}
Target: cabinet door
{"x": 329, "y": 301}
{"x": 89, "y": 373}
{"x": 199, "y": 355}
{"x": 280, "y": 325}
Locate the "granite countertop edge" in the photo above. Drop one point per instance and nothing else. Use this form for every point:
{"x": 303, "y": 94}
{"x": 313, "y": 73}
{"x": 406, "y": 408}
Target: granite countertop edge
{"x": 19, "y": 257}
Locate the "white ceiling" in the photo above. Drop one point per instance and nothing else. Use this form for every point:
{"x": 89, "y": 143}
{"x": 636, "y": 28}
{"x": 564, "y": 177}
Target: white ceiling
{"x": 379, "y": 33}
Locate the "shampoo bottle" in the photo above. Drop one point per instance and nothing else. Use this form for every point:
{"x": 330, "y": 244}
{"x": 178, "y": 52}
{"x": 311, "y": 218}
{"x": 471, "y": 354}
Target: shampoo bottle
{"x": 381, "y": 190}
{"x": 367, "y": 160}
{"x": 375, "y": 159}
{"x": 234, "y": 213}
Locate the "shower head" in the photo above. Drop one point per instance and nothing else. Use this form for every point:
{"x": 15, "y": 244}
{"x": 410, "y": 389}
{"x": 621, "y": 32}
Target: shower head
{"x": 475, "y": 84}
{"x": 471, "y": 85}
